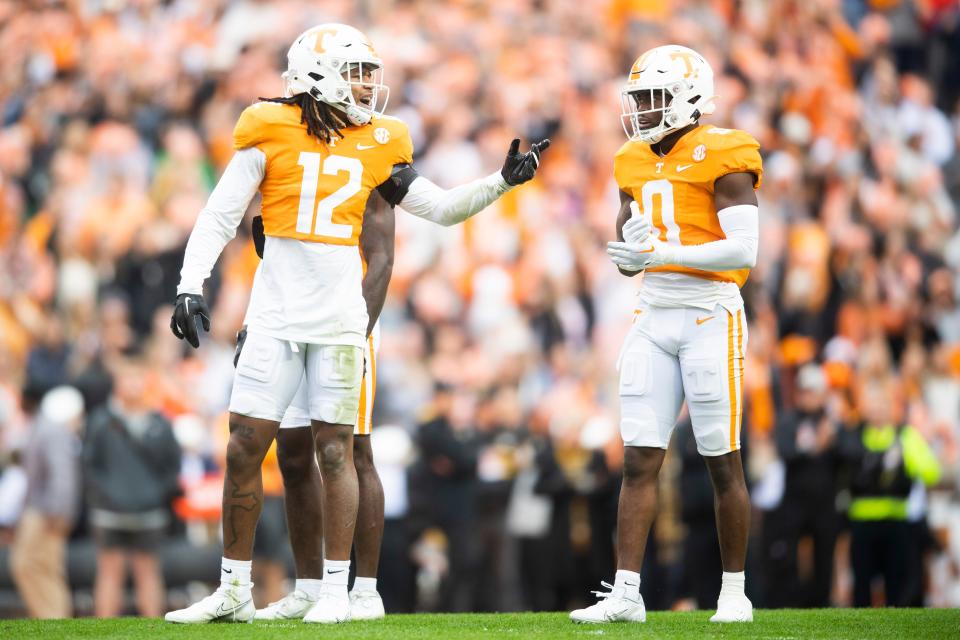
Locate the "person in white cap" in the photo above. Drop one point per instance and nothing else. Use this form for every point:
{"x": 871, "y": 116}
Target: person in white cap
{"x": 51, "y": 459}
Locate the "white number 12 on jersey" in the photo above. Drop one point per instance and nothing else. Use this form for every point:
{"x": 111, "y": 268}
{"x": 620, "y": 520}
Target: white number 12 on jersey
{"x": 332, "y": 165}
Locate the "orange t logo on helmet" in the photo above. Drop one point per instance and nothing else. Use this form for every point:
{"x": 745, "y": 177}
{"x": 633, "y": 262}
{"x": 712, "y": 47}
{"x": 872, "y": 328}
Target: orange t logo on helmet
{"x": 687, "y": 58}
{"x": 316, "y": 39}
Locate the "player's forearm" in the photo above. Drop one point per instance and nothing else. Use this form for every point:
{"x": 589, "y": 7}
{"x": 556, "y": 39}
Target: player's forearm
{"x": 448, "y": 207}
{"x": 740, "y": 224}
{"x": 721, "y": 255}
{"x": 204, "y": 247}
{"x": 375, "y": 283}
{"x": 218, "y": 221}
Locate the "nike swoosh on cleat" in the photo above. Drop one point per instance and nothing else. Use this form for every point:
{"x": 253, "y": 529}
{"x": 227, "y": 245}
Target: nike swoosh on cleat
{"x": 337, "y": 571}
{"x": 612, "y": 615}
{"x": 228, "y": 570}
{"x": 221, "y": 612}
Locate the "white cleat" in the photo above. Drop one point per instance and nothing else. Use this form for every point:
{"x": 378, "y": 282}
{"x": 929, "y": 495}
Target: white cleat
{"x": 613, "y": 606}
{"x": 293, "y": 606}
{"x": 330, "y": 608}
{"x": 366, "y": 605}
{"x": 223, "y": 605}
{"x": 733, "y": 609}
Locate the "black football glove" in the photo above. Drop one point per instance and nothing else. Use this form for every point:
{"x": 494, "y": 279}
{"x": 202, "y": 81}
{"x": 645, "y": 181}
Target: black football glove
{"x": 258, "y": 236}
{"x": 521, "y": 167}
{"x": 241, "y": 338}
{"x": 184, "y": 320}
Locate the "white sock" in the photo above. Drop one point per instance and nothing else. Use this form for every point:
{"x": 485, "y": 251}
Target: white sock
{"x": 335, "y": 574}
{"x": 364, "y": 584}
{"x": 732, "y": 584}
{"x": 235, "y": 574}
{"x": 629, "y": 581}
{"x": 310, "y": 586}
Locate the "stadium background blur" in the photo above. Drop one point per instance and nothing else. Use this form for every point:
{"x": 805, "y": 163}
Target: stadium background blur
{"x": 501, "y": 335}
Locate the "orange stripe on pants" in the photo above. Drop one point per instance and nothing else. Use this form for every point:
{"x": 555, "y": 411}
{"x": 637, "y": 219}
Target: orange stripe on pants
{"x": 742, "y": 356}
{"x": 369, "y": 381}
{"x": 732, "y": 382}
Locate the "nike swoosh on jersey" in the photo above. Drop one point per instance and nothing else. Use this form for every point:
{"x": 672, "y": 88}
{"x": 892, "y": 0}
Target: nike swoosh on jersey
{"x": 702, "y": 320}
{"x": 683, "y": 167}
{"x": 364, "y": 147}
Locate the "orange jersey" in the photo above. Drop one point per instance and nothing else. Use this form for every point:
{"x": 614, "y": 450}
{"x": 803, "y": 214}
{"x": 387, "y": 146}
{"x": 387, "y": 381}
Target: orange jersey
{"x": 312, "y": 190}
{"x": 676, "y": 190}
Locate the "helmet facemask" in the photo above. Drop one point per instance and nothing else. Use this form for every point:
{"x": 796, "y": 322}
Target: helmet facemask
{"x": 668, "y": 88}
{"x": 674, "y": 113}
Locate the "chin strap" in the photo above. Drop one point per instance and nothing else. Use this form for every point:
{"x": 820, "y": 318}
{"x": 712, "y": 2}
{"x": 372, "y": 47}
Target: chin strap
{"x": 356, "y": 115}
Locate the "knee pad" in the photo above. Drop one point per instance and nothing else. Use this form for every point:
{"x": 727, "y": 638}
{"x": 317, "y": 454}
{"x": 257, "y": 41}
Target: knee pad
{"x": 640, "y": 427}
{"x": 713, "y": 440}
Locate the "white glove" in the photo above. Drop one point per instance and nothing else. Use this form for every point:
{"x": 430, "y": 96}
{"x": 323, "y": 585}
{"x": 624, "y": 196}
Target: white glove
{"x": 643, "y": 248}
{"x": 637, "y": 228}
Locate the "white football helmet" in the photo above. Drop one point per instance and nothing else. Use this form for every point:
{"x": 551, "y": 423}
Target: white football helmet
{"x": 671, "y": 79}
{"x": 327, "y": 61}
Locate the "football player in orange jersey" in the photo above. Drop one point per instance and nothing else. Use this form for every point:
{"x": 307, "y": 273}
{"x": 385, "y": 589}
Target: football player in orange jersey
{"x": 315, "y": 156}
{"x": 295, "y": 452}
{"x": 689, "y": 220}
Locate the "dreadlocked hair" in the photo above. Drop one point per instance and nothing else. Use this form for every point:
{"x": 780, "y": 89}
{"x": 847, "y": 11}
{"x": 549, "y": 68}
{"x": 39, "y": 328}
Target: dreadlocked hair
{"x": 323, "y": 121}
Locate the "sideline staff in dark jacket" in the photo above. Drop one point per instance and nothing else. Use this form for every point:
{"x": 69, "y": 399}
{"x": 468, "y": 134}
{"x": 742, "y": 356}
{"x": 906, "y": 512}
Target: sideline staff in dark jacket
{"x": 132, "y": 462}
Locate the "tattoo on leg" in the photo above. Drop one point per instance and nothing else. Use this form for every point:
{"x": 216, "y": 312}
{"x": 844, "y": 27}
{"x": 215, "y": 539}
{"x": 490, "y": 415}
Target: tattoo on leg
{"x": 246, "y": 502}
{"x": 243, "y": 431}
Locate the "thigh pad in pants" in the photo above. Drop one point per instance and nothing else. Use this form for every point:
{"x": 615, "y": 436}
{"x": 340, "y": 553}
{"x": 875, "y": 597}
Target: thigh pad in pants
{"x": 712, "y": 365}
{"x": 334, "y": 373}
{"x": 650, "y": 393}
{"x": 268, "y": 374}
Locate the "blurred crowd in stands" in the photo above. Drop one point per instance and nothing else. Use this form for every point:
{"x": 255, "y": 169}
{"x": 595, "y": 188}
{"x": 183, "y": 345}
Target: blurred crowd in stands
{"x": 496, "y": 419}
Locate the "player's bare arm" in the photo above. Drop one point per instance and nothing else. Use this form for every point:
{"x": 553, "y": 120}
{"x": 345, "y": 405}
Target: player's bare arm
{"x": 734, "y": 189}
{"x": 377, "y": 245}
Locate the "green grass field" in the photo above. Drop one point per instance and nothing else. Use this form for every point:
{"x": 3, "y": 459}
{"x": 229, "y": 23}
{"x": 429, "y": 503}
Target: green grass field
{"x": 901, "y": 624}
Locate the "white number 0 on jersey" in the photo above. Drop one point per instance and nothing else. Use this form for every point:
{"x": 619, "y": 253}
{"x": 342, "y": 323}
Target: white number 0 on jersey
{"x": 332, "y": 165}
{"x": 664, "y": 190}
